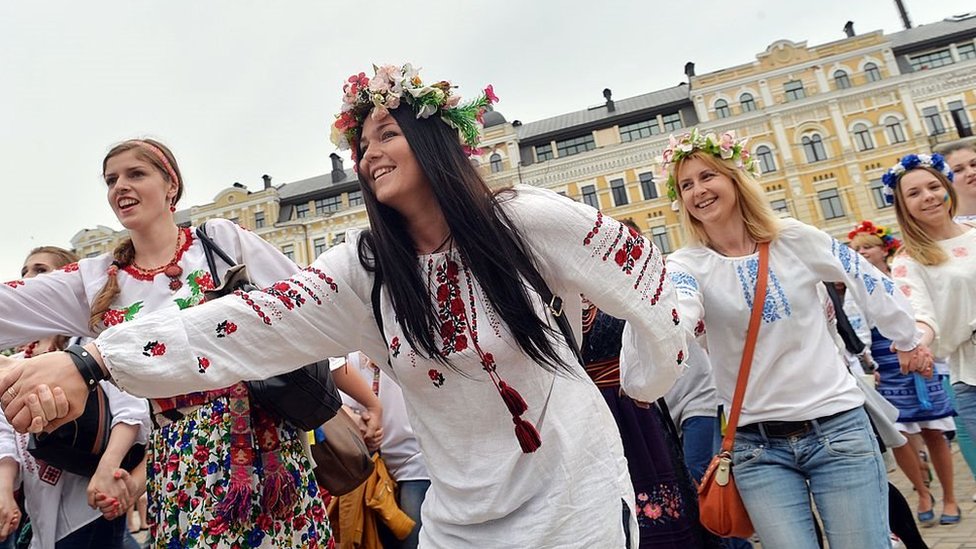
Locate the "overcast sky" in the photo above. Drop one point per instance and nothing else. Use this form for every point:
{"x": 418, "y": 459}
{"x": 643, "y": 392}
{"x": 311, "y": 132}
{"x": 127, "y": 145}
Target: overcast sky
{"x": 242, "y": 88}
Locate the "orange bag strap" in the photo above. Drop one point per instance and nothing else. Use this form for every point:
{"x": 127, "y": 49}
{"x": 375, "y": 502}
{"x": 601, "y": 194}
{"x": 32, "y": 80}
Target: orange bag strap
{"x": 758, "y": 302}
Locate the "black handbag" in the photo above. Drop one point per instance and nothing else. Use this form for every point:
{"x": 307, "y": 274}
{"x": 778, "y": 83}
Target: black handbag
{"x": 306, "y": 397}
{"x": 77, "y": 447}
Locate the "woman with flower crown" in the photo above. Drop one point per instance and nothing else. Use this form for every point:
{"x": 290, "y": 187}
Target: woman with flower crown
{"x": 803, "y": 431}
{"x": 935, "y": 270}
{"x": 459, "y": 288}
{"x": 923, "y": 405}
{"x": 220, "y": 473}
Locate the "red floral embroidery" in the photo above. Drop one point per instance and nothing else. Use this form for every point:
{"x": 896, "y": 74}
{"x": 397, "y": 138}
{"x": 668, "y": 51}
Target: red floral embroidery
{"x": 113, "y": 317}
{"x": 961, "y": 251}
{"x": 899, "y": 271}
{"x": 450, "y": 309}
{"x": 436, "y": 377}
{"x": 681, "y": 357}
{"x": 700, "y": 328}
{"x": 205, "y": 282}
{"x": 70, "y": 267}
{"x": 226, "y": 328}
{"x": 630, "y": 251}
{"x": 289, "y": 293}
{"x": 595, "y": 230}
{"x": 660, "y": 286}
{"x": 674, "y": 317}
{"x": 907, "y": 290}
{"x": 15, "y": 283}
{"x": 395, "y": 346}
{"x": 202, "y": 364}
{"x": 154, "y": 348}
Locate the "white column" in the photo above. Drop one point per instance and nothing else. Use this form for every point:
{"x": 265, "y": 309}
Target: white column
{"x": 838, "y": 118}
{"x": 785, "y": 147}
{"x": 914, "y": 122}
{"x": 821, "y": 80}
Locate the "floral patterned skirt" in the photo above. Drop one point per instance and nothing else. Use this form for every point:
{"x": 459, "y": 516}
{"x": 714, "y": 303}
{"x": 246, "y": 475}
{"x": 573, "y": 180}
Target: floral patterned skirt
{"x": 188, "y": 473}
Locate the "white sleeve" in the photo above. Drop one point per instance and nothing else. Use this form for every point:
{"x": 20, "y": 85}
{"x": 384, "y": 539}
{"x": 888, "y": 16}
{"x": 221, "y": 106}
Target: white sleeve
{"x": 49, "y": 305}
{"x": 691, "y": 307}
{"x": 129, "y": 410}
{"x": 872, "y": 291}
{"x": 8, "y": 440}
{"x": 323, "y": 310}
{"x": 910, "y": 278}
{"x": 584, "y": 252}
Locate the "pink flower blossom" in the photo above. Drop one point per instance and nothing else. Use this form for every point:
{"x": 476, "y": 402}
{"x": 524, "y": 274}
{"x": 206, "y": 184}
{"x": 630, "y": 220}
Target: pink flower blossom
{"x": 490, "y": 94}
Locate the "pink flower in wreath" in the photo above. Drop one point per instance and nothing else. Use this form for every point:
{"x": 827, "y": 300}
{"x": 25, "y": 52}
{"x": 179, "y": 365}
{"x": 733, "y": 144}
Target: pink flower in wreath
{"x": 490, "y": 94}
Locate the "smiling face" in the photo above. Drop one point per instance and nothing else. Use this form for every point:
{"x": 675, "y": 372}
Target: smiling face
{"x": 962, "y": 162}
{"x": 707, "y": 194}
{"x": 138, "y": 192}
{"x": 925, "y": 198}
{"x": 390, "y": 168}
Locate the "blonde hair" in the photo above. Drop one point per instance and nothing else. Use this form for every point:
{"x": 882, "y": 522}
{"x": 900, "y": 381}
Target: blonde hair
{"x": 918, "y": 244}
{"x": 760, "y": 220}
{"x": 864, "y": 239}
{"x": 125, "y": 253}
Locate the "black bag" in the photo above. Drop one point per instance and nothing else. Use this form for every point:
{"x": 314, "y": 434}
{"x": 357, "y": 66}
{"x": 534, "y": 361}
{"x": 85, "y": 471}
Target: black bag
{"x": 306, "y": 397}
{"x": 77, "y": 447}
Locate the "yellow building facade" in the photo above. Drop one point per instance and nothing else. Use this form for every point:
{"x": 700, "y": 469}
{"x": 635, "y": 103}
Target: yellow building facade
{"x": 825, "y": 122}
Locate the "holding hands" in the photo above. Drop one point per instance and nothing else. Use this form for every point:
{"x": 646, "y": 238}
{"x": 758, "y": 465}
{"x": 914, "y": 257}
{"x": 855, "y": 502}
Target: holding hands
{"x": 919, "y": 360}
{"x": 41, "y": 393}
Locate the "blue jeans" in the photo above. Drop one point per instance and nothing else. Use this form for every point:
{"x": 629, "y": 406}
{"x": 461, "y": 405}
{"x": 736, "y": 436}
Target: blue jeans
{"x": 97, "y": 534}
{"x": 965, "y": 404}
{"x": 837, "y": 462}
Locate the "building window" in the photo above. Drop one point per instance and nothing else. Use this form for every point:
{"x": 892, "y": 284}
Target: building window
{"x": 931, "y": 60}
{"x": 496, "y": 162}
{"x": 660, "y": 237}
{"x": 896, "y": 134}
{"x": 766, "y": 160}
{"x": 619, "y": 192}
{"x": 288, "y": 251}
{"x": 878, "y": 195}
{"x": 872, "y": 72}
{"x": 672, "y": 122}
{"x": 576, "y": 145}
{"x": 831, "y": 205}
{"x": 543, "y": 152}
{"x": 301, "y": 210}
{"x": 841, "y": 80}
{"x": 319, "y": 246}
{"x": 258, "y": 220}
{"x": 794, "y": 90}
{"x": 589, "y": 196}
{"x": 862, "y": 137}
{"x": 966, "y": 51}
{"x": 722, "y": 109}
{"x": 747, "y": 102}
{"x": 813, "y": 147}
{"x": 648, "y": 188}
{"x": 957, "y": 112}
{"x": 933, "y": 120}
{"x": 355, "y": 198}
{"x": 328, "y": 205}
{"x": 640, "y": 130}
{"x": 780, "y": 205}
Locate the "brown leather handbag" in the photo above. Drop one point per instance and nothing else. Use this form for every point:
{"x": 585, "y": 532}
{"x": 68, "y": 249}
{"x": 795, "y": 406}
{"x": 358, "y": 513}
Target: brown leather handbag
{"x": 721, "y": 510}
{"x": 342, "y": 461}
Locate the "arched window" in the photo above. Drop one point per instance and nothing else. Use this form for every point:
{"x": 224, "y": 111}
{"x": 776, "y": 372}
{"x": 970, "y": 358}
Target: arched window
{"x": 894, "y": 130}
{"x": 813, "y": 148}
{"x": 842, "y": 80}
{"x": 766, "y": 160}
{"x": 872, "y": 72}
{"x": 496, "y": 162}
{"x": 862, "y": 137}
{"x": 722, "y": 109}
{"x": 747, "y": 102}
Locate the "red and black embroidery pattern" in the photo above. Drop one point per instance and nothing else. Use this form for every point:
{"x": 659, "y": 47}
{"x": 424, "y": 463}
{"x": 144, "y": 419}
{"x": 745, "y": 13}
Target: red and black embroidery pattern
{"x": 289, "y": 294}
{"x": 450, "y": 309}
{"x": 15, "y": 283}
{"x": 202, "y": 364}
{"x": 395, "y": 346}
{"x": 700, "y": 328}
{"x": 154, "y": 348}
{"x": 113, "y": 317}
{"x": 436, "y": 377}
{"x": 70, "y": 267}
{"x": 226, "y": 328}
{"x": 674, "y": 317}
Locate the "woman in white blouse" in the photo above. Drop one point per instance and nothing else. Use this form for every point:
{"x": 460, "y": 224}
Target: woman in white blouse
{"x": 803, "y": 431}
{"x": 520, "y": 445}
{"x": 935, "y": 270}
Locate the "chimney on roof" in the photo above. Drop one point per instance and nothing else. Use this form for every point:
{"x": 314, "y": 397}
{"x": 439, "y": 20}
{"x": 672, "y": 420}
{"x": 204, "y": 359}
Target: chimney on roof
{"x": 849, "y": 29}
{"x": 267, "y": 181}
{"x": 606, "y": 95}
{"x": 689, "y": 69}
{"x": 904, "y": 14}
{"x": 338, "y": 174}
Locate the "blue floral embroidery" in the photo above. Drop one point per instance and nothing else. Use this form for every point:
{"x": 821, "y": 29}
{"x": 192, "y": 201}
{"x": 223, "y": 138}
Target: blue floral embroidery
{"x": 777, "y": 306}
{"x": 684, "y": 282}
{"x": 870, "y": 282}
{"x": 889, "y": 286}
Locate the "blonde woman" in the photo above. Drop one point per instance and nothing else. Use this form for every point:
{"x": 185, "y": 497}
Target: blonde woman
{"x": 803, "y": 431}
{"x": 935, "y": 271}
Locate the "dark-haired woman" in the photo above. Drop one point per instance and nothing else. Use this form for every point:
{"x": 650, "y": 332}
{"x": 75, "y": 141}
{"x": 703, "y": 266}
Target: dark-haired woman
{"x": 220, "y": 472}
{"x": 521, "y": 448}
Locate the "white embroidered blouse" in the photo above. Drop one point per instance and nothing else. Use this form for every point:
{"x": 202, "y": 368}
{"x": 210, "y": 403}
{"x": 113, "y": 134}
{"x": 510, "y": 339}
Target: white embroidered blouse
{"x": 484, "y": 490}
{"x": 797, "y": 373}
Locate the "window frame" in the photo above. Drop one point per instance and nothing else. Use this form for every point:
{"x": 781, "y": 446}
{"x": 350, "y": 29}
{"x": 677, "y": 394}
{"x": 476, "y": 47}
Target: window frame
{"x": 890, "y": 123}
{"x": 589, "y": 196}
{"x": 259, "y": 220}
{"x": 933, "y": 118}
{"x": 751, "y": 102}
{"x": 302, "y": 210}
{"x": 672, "y": 122}
{"x": 319, "y": 246}
{"x": 794, "y": 93}
{"x": 495, "y": 162}
{"x": 722, "y": 109}
{"x": 813, "y": 148}
{"x": 328, "y": 205}
{"x": 629, "y": 131}
{"x": 862, "y": 137}
{"x": 575, "y": 145}
{"x": 835, "y": 202}
{"x": 618, "y": 190}
{"x": 762, "y": 152}
{"x": 872, "y": 72}
{"x": 544, "y": 152}
{"x": 661, "y": 239}
{"x": 842, "y": 80}
{"x": 877, "y": 193}
{"x": 355, "y": 198}
{"x": 648, "y": 185}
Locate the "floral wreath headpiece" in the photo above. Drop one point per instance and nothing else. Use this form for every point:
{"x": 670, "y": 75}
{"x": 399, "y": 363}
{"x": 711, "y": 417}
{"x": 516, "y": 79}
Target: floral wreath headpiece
{"x": 393, "y": 84}
{"x": 726, "y": 147}
{"x": 889, "y": 242}
{"x": 911, "y": 162}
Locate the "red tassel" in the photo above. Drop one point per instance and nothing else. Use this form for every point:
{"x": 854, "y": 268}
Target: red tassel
{"x": 236, "y": 505}
{"x": 527, "y": 435}
{"x": 516, "y": 404}
{"x": 278, "y": 492}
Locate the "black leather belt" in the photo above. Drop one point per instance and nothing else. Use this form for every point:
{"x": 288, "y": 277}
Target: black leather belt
{"x": 786, "y": 429}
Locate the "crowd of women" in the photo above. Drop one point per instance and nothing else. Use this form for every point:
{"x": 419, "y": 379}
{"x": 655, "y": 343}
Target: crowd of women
{"x": 505, "y": 425}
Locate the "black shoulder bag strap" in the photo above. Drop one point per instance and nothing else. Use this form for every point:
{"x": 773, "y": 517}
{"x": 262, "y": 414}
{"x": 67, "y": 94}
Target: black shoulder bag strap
{"x": 209, "y": 249}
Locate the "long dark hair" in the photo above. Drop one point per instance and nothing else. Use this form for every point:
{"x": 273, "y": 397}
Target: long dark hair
{"x": 490, "y": 244}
